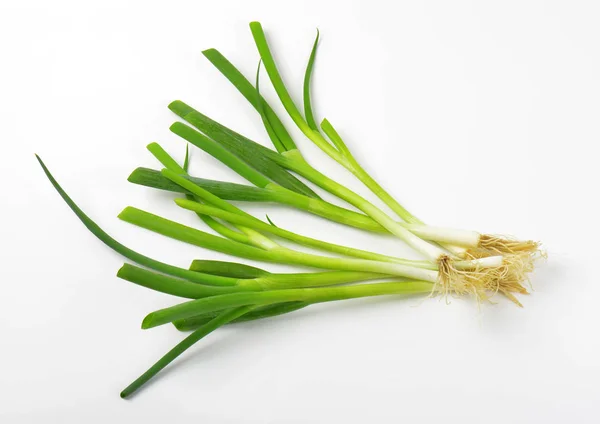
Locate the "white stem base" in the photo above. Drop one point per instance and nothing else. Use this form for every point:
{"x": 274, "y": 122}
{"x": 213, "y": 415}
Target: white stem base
{"x": 452, "y": 236}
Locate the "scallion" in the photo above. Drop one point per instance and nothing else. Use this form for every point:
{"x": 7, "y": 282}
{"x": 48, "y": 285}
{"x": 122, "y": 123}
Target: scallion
{"x": 456, "y": 262}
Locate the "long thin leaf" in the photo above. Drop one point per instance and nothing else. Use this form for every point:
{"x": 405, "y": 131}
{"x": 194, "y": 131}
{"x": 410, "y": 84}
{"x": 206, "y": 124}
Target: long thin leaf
{"x": 267, "y": 58}
{"x": 335, "y": 138}
{"x": 256, "y": 314}
{"x": 224, "y": 230}
{"x": 186, "y": 161}
{"x": 171, "y": 285}
{"x": 238, "y": 192}
{"x": 238, "y": 144}
{"x": 227, "y": 269}
{"x": 220, "y": 153}
{"x": 263, "y": 163}
{"x": 164, "y": 158}
{"x": 171, "y": 164}
{"x": 249, "y": 92}
{"x": 225, "y": 190}
{"x": 261, "y": 298}
{"x": 191, "y": 235}
{"x": 129, "y": 253}
{"x": 263, "y": 115}
{"x": 284, "y": 96}
{"x": 220, "y": 320}
{"x": 308, "y": 111}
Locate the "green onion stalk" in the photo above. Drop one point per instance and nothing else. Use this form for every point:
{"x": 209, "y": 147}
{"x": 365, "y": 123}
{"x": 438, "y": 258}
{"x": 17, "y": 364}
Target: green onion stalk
{"x": 452, "y": 277}
{"x": 284, "y": 293}
{"x": 235, "y": 306}
{"x": 453, "y": 240}
{"x": 279, "y": 189}
{"x": 273, "y": 192}
{"x": 340, "y": 152}
{"x": 476, "y": 276}
{"x": 203, "y": 279}
{"x": 466, "y": 278}
{"x": 219, "y": 293}
{"x": 210, "y": 279}
{"x": 215, "y": 207}
{"x": 218, "y": 208}
{"x": 477, "y": 281}
{"x": 225, "y": 155}
{"x": 309, "y": 295}
{"x": 429, "y": 251}
{"x": 245, "y": 222}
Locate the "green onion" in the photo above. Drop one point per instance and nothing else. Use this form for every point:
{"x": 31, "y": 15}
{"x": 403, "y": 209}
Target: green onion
{"x": 341, "y": 154}
{"x": 252, "y": 222}
{"x": 217, "y": 293}
{"x": 278, "y": 254}
{"x": 267, "y": 280}
{"x": 181, "y": 288}
{"x": 243, "y": 147}
{"x": 494, "y": 245}
{"x": 234, "y": 215}
{"x": 310, "y": 295}
{"x": 282, "y": 92}
{"x": 239, "y": 192}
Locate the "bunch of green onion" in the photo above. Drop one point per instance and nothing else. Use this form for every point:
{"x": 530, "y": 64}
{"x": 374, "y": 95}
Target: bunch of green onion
{"x": 454, "y": 262}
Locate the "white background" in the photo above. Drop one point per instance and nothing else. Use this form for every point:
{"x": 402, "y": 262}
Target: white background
{"x": 481, "y": 115}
